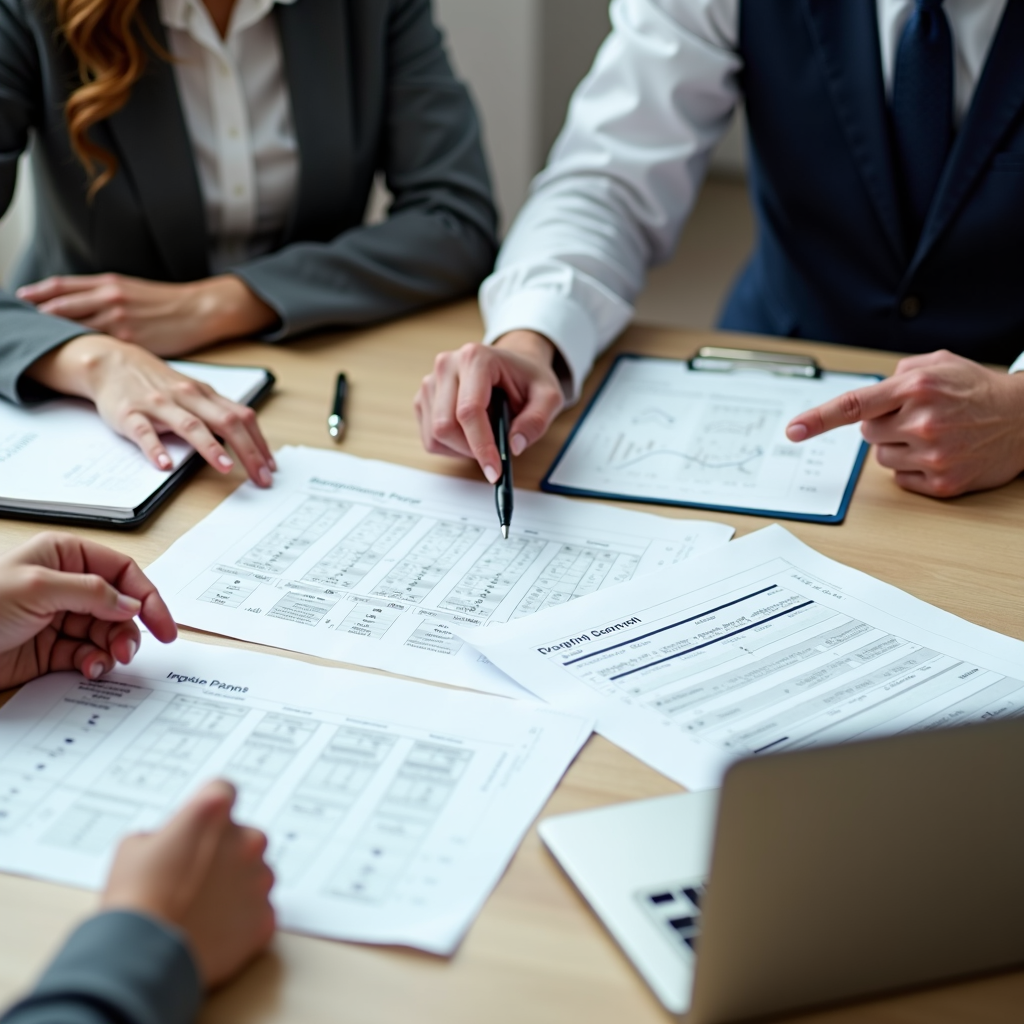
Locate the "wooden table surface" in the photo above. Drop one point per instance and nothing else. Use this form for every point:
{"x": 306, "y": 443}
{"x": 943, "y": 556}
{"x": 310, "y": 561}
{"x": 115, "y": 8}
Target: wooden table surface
{"x": 537, "y": 953}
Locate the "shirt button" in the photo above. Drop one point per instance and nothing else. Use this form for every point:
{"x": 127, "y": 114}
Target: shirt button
{"x": 239, "y": 190}
{"x": 910, "y": 307}
{"x": 233, "y": 133}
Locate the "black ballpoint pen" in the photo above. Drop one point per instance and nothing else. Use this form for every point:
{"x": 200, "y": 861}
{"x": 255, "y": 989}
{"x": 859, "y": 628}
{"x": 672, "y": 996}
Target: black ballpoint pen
{"x": 336, "y": 421}
{"x": 500, "y": 421}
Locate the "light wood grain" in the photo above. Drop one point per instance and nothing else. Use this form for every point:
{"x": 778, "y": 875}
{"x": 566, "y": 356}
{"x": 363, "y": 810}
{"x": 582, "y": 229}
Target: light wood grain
{"x": 536, "y": 953}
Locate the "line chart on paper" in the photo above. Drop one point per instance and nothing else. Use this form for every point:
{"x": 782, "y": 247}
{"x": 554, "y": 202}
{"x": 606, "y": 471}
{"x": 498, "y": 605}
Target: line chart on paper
{"x": 658, "y": 431}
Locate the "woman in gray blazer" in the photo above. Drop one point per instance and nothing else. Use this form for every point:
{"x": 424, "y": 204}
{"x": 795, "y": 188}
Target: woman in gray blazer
{"x": 205, "y": 175}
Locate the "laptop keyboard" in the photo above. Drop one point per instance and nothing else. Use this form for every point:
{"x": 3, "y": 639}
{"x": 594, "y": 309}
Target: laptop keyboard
{"x": 676, "y": 911}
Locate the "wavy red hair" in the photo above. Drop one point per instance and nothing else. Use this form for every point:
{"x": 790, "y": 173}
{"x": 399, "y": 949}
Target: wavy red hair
{"x": 110, "y": 42}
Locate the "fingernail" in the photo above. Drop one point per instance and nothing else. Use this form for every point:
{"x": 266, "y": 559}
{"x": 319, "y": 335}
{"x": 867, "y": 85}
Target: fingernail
{"x": 225, "y": 462}
{"x": 796, "y": 432}
{"x": 128, "y": 604}
{"x": 95, "y": 670}
{"x": 273, "y": 463}
{"x": 493, "y": 476}
{"x": 265, "y": 477}
{"x": 133, "y": 649}
{"x": 163, "y": 460}
{"x": 518, "y": 444}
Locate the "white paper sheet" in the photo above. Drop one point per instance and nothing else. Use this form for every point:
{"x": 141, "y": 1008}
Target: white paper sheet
{"x": 374, "y": 564}
{"x": 60, "y": 456}
{"x": 661, "y": 431}
{"x": 762, "y": 645}
{"x": 392, "y": 807}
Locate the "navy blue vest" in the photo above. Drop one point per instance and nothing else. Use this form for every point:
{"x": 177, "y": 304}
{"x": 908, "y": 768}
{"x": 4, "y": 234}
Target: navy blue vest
{"x": 832, "y": 261}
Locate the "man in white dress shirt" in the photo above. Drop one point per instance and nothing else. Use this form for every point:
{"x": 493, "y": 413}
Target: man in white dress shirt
{"x": 887, "y": 145}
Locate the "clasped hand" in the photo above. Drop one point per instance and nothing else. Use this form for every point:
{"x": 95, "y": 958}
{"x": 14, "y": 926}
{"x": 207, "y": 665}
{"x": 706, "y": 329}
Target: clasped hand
{"x": 167, "y": 318}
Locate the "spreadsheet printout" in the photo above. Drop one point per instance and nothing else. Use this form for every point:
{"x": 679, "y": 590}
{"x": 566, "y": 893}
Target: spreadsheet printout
{"x": 659, "y": 431}
{"x": 761, "y": 646}
{"x": 375, "y": 564}
{"x": 392, "y": 808}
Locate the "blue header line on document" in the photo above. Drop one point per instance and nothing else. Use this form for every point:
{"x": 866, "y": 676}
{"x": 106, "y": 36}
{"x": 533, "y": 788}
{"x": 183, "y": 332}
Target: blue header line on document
{"x": 717, "y": 639}
{"x": 661, "y": 629}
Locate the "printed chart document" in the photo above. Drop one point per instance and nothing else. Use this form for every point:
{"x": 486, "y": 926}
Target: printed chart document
{"x": 60, "y": 457}
{"x": 375, "y": 564}
{"x": 392, "y": 808}
{"x": 658, "y": 431}
{"x": 762, "y": 645}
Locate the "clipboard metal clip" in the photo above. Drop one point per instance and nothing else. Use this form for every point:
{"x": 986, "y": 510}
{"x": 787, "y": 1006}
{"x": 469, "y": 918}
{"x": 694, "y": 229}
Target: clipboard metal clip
{"x": 729, "y": 360}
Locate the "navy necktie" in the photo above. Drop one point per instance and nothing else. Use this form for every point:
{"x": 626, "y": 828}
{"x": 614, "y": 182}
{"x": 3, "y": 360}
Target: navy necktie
{"x": 922, "y": 106}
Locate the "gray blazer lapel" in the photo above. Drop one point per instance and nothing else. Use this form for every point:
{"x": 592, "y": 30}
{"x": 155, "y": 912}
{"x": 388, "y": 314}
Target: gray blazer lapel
{"x": 155, "y": 152}
{"x": 846, "y": 32}
{"x": 315, "y": 42}
{"x": 998, "y": 100}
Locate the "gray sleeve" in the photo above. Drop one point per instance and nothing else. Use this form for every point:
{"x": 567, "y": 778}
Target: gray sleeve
{"x": 25, "y": 335}
{"x": 117, "y": 968}
{"x": 439, "y": 240}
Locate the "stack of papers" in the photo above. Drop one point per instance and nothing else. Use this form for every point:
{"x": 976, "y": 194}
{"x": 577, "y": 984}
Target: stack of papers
{"x": 393, "y": 807}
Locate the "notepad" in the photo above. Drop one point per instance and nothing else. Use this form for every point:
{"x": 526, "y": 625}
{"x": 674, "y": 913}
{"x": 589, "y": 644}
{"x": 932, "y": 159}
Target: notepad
{"x": 60, "y": 462}
{"x": 659, "y": 431}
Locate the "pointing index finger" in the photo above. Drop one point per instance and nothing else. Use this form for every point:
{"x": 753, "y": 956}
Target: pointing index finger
{"x": 852, "y": 407}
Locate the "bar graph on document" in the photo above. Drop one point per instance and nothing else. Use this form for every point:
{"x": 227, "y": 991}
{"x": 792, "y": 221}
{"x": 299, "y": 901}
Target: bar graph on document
{"x": 378, "y": 565}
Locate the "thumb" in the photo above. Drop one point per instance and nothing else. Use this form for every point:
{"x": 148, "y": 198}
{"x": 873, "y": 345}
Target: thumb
{"x": 543, "y": 403}
{"x": 189, "y": 841}
{"x": 52, "y": 591}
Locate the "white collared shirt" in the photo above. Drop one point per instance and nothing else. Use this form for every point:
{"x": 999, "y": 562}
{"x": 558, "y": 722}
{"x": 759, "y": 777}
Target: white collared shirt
{"x": 625, "y": 171}
{"x": 237, "y": 109}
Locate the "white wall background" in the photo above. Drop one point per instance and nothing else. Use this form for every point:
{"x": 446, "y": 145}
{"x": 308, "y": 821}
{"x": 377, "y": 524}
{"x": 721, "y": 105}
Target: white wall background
{"x": 522, "y": 59}
{"x": 16, "y": 224}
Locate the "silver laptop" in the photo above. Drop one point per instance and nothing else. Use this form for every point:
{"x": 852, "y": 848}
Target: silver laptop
{"x": 817, "y": 875}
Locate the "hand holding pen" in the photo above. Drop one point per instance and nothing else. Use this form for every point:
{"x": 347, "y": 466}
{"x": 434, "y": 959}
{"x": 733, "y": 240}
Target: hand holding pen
{"x": 453, "y": 399}
{"x": 501, "y": 417}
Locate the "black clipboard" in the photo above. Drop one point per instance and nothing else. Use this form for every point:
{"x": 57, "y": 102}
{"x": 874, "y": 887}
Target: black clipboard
{"x": 177, "y": 479}
{"x": 724, "y": 360}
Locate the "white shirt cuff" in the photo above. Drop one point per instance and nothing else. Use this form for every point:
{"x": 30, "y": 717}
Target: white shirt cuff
{"x": 577, "y": 313}
{"x": 1017, "y": 366}
{"x": 560, "y": 320}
